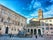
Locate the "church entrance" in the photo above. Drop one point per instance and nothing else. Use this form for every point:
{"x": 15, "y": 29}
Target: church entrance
{"x": 31, "y": 31}
{"x": 6, "y": 31}
{"x": 35, "y": 31}
{"x": 39, "y": 32}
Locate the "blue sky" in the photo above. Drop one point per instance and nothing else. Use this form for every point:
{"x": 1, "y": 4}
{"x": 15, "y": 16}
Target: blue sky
{"x": 29, "y": 8}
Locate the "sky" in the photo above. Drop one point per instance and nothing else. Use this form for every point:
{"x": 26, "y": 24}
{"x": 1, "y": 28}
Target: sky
{"x": 29, "y": 8}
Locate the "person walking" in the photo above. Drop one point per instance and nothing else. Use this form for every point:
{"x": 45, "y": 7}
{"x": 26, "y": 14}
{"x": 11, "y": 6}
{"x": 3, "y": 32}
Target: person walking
{"x": 36, "y": 36}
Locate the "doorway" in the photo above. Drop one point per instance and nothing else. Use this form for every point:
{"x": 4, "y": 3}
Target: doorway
{"x": 6, "y": 31}
{"x": 39, "y": 32}
{"x": 31, "y": 31}
{"x": 35, "y": 31}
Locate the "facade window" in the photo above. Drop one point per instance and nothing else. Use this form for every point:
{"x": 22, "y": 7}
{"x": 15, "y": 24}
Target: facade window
{"x": 43, "y": 28}
{"x": 50, "y": 20}
{"x": 50, "y": 24}
{"x": 0, "y": 28}
{"x": 47, "y": 28}
{"x": 9, "y": 14}
{"x": 51, "y": 32}
{"x": 46, "y": 21}
{"x": 2, "y": 20}
{"x": 28, "y": 30}
{"x": 51, "y": 28}
{"x": 18, "y": 23}
{"x": 8, "y": 18}
{"x": 42, "y": 23}
{"x": 12, "y": 29}
{"x": 5, "y": 23}
{"x": 3, "y": 12}
{"x": 0, "y": 9}
{"x": 13, "y": 22}
{"x": 21, "y": 24}
{"x": 46, "y": 24}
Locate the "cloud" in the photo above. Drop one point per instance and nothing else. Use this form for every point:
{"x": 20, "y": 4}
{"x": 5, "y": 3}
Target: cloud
{"x": 46, "y": 14}
{"x": 34, "y": 14}
{"x": 49, "y": 13}
{"x": 36, "y": 5}
{"x": 44, "y": 4}
{"x": 51, "y": 0}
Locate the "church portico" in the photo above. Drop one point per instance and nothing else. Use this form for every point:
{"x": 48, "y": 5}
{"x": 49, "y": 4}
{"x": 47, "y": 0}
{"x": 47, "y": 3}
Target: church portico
{"x": 34, "y": 30}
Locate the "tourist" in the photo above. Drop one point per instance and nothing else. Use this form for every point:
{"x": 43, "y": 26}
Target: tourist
{"x": 36, "y": 36}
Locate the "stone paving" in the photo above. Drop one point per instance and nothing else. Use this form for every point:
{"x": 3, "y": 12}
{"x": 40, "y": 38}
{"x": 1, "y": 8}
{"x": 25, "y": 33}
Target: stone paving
{"x": 33, "y": 38}
{"x": 20, "y": 39}
{"x": 16, "y": 38}
{"x": 48, "y": 38}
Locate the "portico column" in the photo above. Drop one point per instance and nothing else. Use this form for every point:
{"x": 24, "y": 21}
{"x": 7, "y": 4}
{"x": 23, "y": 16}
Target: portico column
{"x": 33, "y": 31}
{"x": 41, "y": 31}
{"x": 30, "y": 30}
{"x": 37, "y": 32}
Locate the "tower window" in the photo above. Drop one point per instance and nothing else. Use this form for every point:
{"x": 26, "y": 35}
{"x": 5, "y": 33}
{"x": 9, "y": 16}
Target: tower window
{"x": 18, "y": 23}
{"x": 2, "y": 20}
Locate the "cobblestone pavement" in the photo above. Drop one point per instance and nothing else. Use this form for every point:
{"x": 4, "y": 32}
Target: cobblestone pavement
{"x": 48, "y": 37}
{"x": 16, "y": 38}
{"x": 20, "y": 39}
{"x": 33, "y": 38}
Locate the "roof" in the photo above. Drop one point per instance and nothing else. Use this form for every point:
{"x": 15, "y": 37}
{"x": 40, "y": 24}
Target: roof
{"x": 47, "y": 18}
{"x": 12, "y": 11}
{"x": 34, "y": 19}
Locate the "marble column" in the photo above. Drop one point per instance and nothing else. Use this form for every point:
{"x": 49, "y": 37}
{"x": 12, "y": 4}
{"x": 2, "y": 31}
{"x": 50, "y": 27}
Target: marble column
{"x": 37, "y": 31}
{"x": 33, "y": 31}
{"x": 41, "y": 31}
{"x": 30, "y": 30}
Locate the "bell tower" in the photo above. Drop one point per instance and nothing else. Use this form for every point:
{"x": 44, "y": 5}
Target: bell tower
{"x": 40, "y": 14}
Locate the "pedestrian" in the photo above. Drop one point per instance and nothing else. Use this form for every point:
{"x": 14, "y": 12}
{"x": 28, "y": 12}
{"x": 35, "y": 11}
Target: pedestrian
{"x": 10, "y": 35}
{"x": 36, "y": 36}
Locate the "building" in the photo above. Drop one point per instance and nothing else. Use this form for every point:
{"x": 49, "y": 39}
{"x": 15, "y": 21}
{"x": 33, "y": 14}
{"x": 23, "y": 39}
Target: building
{"x": 47, "y": 25}
{"x": 40, "y": 14}
{"x": 10, "y": 21}
{"x": 35, "y": 27}
{"x": 41, "y": 25}
{"x": 34, "y": 22}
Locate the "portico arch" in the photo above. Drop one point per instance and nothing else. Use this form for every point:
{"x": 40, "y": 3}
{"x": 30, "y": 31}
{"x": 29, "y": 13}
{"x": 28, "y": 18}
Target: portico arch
{"x": 35, "y": 31}
{"x": 31, "y": 31}
{"x": 39, "y": 31}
